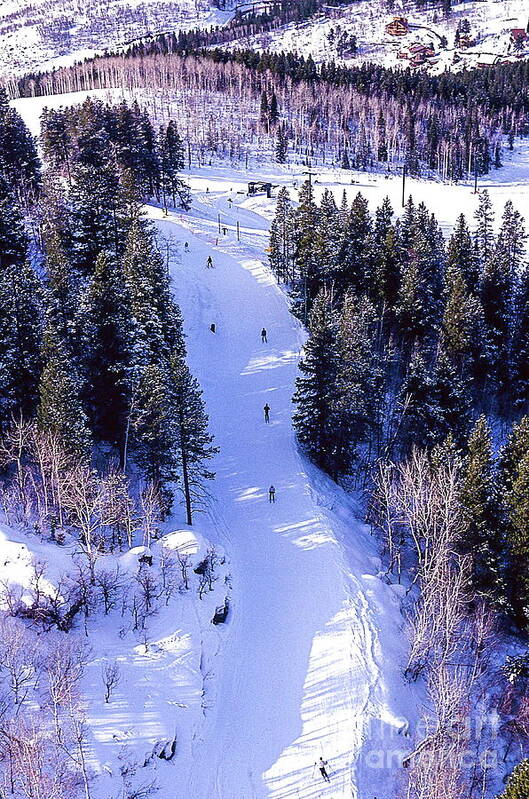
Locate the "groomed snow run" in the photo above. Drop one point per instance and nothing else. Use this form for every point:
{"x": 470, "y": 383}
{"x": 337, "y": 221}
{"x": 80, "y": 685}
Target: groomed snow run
{"x": 312, "y": 663}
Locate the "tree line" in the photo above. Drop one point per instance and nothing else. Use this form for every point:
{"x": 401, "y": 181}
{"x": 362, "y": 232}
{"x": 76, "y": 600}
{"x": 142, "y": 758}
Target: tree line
{"x": 368, "y": 117}
{"x": 96, "y": 395}
{"x": 415, "y": 341}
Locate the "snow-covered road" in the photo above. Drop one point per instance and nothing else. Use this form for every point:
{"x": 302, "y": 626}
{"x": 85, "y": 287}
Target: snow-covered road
{"x": 300, "y": 677}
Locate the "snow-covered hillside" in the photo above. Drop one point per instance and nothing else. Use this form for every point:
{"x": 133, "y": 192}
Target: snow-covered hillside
{"x": 47, "y": 33}
{"x": 51, "y": 32}
{"x": 330, "y": 37}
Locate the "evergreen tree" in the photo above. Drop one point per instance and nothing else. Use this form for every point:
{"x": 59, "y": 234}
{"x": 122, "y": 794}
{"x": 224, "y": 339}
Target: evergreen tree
{"x": 329, "y": 236}
{"x": 172, "y": 160}
{"x": 19, "y": 161}
{"x": 515, "y": 491}
{"x": 385, "y": 282}
{"x": 520, "y": 345}
{"x": 462, "y": 325}
{"x": 62, "y": 283}
{"x": 273, "y": 113}
{"x": 355, "y": 404}
{"x": 193, "y": 441}
{"x": 462, "y": 255}
{"x": 484, "y": 233}
{"x": 315, "y": 387}
{"x": 357, "y": 248}
{"x": 57, "y": 141}
{"x": 281, "y": 145}
{"x": 153, "y": 430}
{"x": 20, "y": 341}
{"x": 518, "y": 784}
{"x": 450, "y": 406}
{"x": 106, "y": 334}
{"x": 307, "y": 266}
{"x": 496, "y": 299}
{"x": 13, "y": 240}
{"x": 415, "y": 403}
{"x": 281, "y": 251}
{"x": 60, "y": 410}
{"x": 480, "y": 503}
{"x": 156, "y": 319}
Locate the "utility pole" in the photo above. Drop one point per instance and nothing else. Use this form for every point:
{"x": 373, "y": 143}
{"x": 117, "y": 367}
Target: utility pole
{"x": 404, "y": 173}
{"x": 218, "y": 220}
{"x": 238, "y": 231}
{"x": 310, "y": 176}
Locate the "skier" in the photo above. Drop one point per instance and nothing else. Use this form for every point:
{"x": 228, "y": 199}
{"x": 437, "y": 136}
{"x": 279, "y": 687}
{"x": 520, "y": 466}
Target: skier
{"x": 266, "y": 410}
{"x": 186, "y": 247}
{"x": 323, "y": 770}
{"x": 209, "y": 262}
{"x": 213, "y": 327}
{"x": 271, "y": 494}
{"x": 263, "y": 336}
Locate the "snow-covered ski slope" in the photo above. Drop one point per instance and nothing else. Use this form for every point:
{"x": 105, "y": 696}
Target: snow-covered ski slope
{"x": 310, "y": 667}
{"x": 310, "y": 663}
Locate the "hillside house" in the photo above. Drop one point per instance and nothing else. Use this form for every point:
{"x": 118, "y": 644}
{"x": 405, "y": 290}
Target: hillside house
{"x": 518, "y": 36}
{"x": 398, "y": 26}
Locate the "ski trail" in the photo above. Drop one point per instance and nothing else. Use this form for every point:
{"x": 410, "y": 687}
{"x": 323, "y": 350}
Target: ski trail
{"x": 298, "y": 674}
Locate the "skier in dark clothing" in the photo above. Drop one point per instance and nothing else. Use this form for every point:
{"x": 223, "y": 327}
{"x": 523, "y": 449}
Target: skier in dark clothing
{"x": 186, "y": 247}
{"x": 266, "y": 410}
{"x": 209, "y": 262}
{"x": 271, "y": 494}
{"x": 213, "y": 327}
{"x": 323, "y": 770}
{"x": 263, "y": 336}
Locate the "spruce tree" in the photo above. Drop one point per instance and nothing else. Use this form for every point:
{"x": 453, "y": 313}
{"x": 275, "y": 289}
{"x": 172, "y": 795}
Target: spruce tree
{"x": 515, "y": 492}
{"x": 315, "y": 387}
{"x": 356, "y": 253}
{"x": 194, "y": 444}
{"x": 281, "y": 145}
{"x": 462, "y": 255}
{"x": 13, "y": 239}
{"x": 281, "y": 251}
{"x": 20, "y": 341}
{"x": 484, "y": 232}
{"x": 157, "y": 324}
{"x": 62, "y": 284}
{"x": 153, "y": 430}
{"x": 520, "y": 346}
{"x": 518, "y": 784}
{"x": 307, "y": 266}
{"x": 106, "y": 336}
{"x": 60, "y": 409}
{"x": 329, "y": 235}
{"x": 356, "y": 401}
{"x": 416, "y": 405}
{"x": 172, "y": 160}
{"x": 480, "y": 501}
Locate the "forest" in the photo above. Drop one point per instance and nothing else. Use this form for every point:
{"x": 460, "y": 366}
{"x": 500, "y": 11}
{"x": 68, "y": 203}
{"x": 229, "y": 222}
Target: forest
{"x": 413, "y": 389}
{"x": 368, "y": 117}
{"x": 95, "y": 391}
